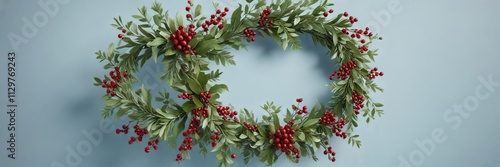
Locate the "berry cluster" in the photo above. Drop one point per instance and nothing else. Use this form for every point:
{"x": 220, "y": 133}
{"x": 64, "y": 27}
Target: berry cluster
{"x": 188, "y": 9}
{"x": 140, "y": 132}
{"x": 181, "y": 39}
{"x": 187, "y": 144}
{"x": 179, "y": 158}
{"x": 295, "y": 108}
{"x": 374, "y": 73}
{"x": 357, "y": 34}
{"x": 327, "y": 12}
{"x": 123, "y": 32}
{"x": 226, "y": 113}
{"x": 283, "y": 140}
{"x": 185, "y": 96}
{"x": 344, "y": 71}
{"x": 215, "y": 137}
{"x": 205, "y": 96}
{"x": 215, "y": 19}
{"x": 357, "y": 100}
{"x": 117, "y": 77}
{"x": 153, "y": 144}
{"x": 263, "y": 21}
{"x": 351, "y": 18}
{"x": 250, "y": 34}
{"x": 329, "y": 119}
{"x": 201, "y": 111}
{"x": 124, "y": 130}
{"x": 299, "y": 100}
{"x": 363, "y": 48}
{"x": 330, "y": 152}
{"x": 193, "y": 127}
{"x": 250, "y": 127}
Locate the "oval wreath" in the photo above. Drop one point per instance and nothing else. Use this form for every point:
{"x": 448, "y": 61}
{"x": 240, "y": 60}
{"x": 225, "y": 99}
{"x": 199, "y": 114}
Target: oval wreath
{"x": 186, "y": 48}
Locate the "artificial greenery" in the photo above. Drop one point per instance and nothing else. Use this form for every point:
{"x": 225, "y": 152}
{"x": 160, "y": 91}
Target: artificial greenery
{"x": 150, "y": 38}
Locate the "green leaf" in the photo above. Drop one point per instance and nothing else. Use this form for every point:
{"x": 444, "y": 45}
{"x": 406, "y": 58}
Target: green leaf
{"x": 276, "y": 119}
{"x": 310, "y": 122}
{"x": 178, "y": 19}
{"x": 120, "y": 113}
{"x": 195, "y": 86}
{"x": 318, "y": 9}
{"x": 259, "y": 143}
{"x": 156, "y": 42}
{"x": 156, "y": 19}
{"x": 170, "y": 52}
{"x": 236, "y": 17}
{"x": 97, "y": 81}
{"x": 341, "y": 82}
{"x": 154, "y": 53}
{"x": 302, "y": 136}
{"x": 197, "y": 101}
{"x": 188, "y": 106}
{"x": 111, "y": 102}
{"x": 111, "y": 48}
{"x": 137, "y": 16}
{"x": 218, "y": 88}
{"x": 205, "y": 123}
{"x": 197, "y": 11}
{"x": 203, "y": 79}
{"x": 296, "y": 20}
{"x": 378, "y": 104}
{"x": 243, "y": 136}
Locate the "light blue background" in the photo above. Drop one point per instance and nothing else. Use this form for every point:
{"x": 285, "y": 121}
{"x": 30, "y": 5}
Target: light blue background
{"x": 433, "y": 53}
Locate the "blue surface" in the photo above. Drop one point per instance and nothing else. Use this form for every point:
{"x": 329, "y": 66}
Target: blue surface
{"x": 437, "y": 55}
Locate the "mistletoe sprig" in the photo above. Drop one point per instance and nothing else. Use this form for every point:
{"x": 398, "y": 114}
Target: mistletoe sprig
{"x": 186, "y": 44}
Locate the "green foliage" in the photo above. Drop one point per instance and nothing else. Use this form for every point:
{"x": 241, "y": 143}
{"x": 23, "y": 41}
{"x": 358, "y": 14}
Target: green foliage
{"x": 148, "y": 38}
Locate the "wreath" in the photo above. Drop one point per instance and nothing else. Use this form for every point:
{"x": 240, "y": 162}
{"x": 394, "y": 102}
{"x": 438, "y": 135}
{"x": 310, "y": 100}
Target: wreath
{"x": 186, "y": 44}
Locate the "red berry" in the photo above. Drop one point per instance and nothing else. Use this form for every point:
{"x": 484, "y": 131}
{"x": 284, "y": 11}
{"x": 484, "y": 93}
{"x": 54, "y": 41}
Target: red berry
{"x": 298, "y": 100}
{"x": 346, "y": 14}
{"x": 124, "y": 30}
{"x": 381, "y": 73}
{"x": 188, "y": 8}
{"x": 233, "y": 156}
{"x": 226, "y": 9}
{"x": 118, "y": 131}
{"x": 146, "y": 149}
{"x": 363, "y": 41}
{"x": 120, "y": 35}
{"x": 330, "y": 11}
{"x": 325, "y": 14}
{"x": 188, "y": 16}
{"x": 380, "y": 38}
{"x": 155, "y": 147}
